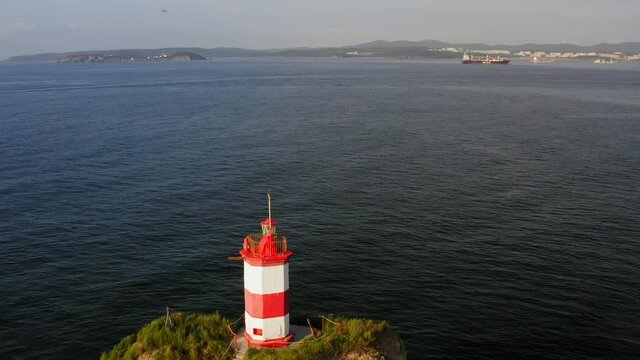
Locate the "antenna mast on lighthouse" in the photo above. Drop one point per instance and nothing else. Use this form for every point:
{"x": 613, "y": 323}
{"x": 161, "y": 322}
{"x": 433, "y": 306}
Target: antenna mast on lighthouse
{"x": 269, "y": 197}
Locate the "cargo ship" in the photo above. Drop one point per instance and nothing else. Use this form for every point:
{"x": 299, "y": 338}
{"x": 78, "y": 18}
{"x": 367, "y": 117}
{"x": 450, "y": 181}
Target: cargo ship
{"x": 470, "y": 59}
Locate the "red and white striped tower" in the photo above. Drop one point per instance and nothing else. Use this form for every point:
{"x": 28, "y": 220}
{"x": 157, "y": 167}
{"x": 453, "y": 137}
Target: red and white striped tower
{"x": 266, "y": 287}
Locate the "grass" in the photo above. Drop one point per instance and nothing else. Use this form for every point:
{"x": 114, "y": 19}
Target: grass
{"x": 196, "y": 336}
{"x": 200, "y": 336}
{"x": 357, "y": 335}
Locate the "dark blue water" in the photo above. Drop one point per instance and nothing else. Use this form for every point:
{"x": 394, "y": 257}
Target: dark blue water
{"x": 486, "y": 212}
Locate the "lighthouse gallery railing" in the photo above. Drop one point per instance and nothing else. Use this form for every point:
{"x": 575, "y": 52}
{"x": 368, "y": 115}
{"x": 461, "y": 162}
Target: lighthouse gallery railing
{"x": 278, "y": 246}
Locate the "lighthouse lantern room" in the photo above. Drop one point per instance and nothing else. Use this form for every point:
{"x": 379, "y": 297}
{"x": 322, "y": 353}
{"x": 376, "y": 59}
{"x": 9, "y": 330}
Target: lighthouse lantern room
{"x": 266, "y": 286}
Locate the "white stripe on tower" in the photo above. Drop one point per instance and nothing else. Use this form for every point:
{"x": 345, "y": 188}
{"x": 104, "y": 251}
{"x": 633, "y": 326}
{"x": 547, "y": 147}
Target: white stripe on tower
{"x": 272, "y": 328}
{"x": 266, "y": 279}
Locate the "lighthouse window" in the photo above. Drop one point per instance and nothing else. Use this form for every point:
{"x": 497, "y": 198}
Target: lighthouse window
{"x": 257, "y": 331}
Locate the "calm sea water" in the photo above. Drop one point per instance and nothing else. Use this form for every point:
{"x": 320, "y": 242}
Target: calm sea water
{"x": 487, "y": 212}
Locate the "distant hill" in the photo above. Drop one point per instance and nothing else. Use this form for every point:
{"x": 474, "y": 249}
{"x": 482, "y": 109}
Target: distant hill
{"x": 383, "y": 44}
{"x": 628, "y": 47}
{"x": 379, "y": 48}
{"x": 37, "y": 57}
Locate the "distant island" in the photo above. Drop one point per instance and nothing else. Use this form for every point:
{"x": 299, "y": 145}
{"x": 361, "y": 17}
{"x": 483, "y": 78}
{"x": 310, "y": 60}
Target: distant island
{"x": 89, "y": 58}
{"x": 428, "y": 49}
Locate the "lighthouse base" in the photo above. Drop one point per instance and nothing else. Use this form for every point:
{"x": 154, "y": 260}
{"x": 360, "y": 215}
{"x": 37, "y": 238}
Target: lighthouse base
{"x": 242, "y": 343}
{"x": 272, "y": 343}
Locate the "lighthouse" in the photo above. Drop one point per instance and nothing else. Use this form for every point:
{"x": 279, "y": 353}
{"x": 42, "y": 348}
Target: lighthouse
{"x": 266, "y": 286}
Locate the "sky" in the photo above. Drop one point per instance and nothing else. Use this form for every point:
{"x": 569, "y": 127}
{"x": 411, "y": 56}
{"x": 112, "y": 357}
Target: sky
{"x": 38, "y": 26}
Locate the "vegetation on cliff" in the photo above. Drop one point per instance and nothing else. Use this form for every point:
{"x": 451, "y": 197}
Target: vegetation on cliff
{"x": 359, "y": 339}
{"x": 195, "y": 336}
{"x": 200, "y": 336}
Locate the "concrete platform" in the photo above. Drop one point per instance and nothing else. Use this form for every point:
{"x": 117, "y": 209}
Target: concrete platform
{"x": 300, "y": 333}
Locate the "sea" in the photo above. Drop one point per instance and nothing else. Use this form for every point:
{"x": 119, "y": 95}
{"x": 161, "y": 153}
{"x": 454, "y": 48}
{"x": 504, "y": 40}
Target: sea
{"x": 485, "y": 212}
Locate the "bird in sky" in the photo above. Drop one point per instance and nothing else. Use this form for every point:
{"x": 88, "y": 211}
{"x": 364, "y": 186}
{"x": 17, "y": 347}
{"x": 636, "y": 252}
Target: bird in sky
{"x": 164, "y": 10}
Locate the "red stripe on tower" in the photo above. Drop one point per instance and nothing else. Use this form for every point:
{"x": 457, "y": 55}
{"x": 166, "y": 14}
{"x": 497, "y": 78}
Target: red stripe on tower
{"x": 267, "y": 305}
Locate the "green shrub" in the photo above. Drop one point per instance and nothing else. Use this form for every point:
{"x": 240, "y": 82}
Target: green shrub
{"x": 193, "y": 336}
{"x": 356, "y": 335}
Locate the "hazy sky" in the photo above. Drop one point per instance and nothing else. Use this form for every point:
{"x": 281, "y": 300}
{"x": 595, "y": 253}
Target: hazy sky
{"x": 33, "y": 26}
